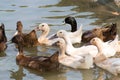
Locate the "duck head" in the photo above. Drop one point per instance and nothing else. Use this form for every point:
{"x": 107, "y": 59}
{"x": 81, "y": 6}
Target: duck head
{"x": 95, "y": 41}
{"x": 60, "y": 43}
{"x": 71, "y": 20}
{"x": 19, "y": 26}
{"x": 59, "y": 34}
{"x": 43, "y": 27}
{"x": 110, "y": 32}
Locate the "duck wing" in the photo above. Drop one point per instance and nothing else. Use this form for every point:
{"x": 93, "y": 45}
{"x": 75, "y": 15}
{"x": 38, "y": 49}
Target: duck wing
{"x": 31, "y": 38}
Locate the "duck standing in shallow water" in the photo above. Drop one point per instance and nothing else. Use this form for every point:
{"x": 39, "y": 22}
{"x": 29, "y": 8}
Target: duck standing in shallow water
{"x": 29, "y": 40}
{"x": 3, "y": 38}
{"x": 105, "y": 33}
{"x": 76, "y": 62}
{"x": 41, "y": 63}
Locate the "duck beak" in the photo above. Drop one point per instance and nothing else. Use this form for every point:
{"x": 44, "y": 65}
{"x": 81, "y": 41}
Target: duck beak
{"x": 54, "y": 44}
{"x": 63, "y": 23}
{"x": 53, "y": 36}
{"x": 37, "y": 29}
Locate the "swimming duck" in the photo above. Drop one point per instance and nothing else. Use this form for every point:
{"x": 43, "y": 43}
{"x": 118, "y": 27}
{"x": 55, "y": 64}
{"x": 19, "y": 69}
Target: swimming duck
{"x": 105, "y": 33}
{"x": 44, "y": 39}
{"x": 29, "y": 39}
{"x": 88, "y": 49}
{"x": 71, "y": 50}
{"x": 77, "y": 62}
{"x": 110, "y": 64}
{"x": 3, "y": 38}
{"x": 109, "y": 49}
{"x": 40, "y": 63}
{"x": 75, "y": 37}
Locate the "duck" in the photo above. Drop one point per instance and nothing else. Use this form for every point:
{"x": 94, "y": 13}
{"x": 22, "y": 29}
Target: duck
{"x": 29, "y": 39}
{"x": 109, "y": 49}
{"x": 75, "y": 37}
{"x": 75, "y": 62}
{"x": 71, "y": 50}
{"x": 88, "y": 49}
{"x": 40, "y": 63}
{"x": 111, "y": 65}
{"x": 3, "y": 38}
{"x": 44, "y": 39}
{"x": 106, "y": 33}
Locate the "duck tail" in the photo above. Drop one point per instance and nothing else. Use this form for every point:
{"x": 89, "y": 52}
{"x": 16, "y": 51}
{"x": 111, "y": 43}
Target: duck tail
{"x": 113, "y": 29}
{"x": 54, "y": 57}
{"x": 79, "y": 31}
{"x": 116, "y": 38}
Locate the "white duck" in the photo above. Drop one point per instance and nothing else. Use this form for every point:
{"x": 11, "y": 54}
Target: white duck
{"x": 89, "y": 49}
{"x": 109, "y": 49}
{"x": 71, "y": 50}
{"x": 44, "y": 38}
{"x": 110, "y": 64}
{"x": 75, "y": 37}
{"x": 77, "y": 62}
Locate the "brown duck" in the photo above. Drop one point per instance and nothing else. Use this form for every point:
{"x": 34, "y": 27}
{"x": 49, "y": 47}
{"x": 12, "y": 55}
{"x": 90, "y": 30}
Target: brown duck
{"x": 3, "y": 38}
{"x": 29, "y": 40}
{"x": 41, "y": 63}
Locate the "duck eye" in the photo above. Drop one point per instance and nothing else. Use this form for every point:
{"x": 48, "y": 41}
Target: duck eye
{"x": 95, "y": 29}
{"x": 93, "y": 39}
{"x": 42, "y": 25}
{"x": 60, "y": 32}
{"x": 58, "y": 41}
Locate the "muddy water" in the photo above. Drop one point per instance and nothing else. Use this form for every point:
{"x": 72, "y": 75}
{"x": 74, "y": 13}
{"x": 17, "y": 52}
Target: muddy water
{"x": 32, "y": 12}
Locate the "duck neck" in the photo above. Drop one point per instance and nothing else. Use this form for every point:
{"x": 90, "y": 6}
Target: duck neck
{"x": 20, "y": 49}
{"x": 44, "y": 33}
{"x": 73, "y": 26}
{"x": 100, "y": 56}
{"x": 99, "y": 47}
{"x": 68, "y": 43}
{"x": 62, "y": 50}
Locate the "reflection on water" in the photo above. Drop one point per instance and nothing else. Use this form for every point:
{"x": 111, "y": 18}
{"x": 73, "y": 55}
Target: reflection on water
{"x": 2, "y": 54}
{"x": 17, "y": 75}
{"x": 90, "y": 13}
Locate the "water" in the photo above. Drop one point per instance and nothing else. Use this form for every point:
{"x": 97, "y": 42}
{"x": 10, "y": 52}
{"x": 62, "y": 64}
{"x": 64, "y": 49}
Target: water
{"x": 32, "y": 12}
